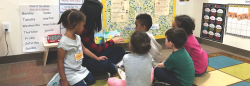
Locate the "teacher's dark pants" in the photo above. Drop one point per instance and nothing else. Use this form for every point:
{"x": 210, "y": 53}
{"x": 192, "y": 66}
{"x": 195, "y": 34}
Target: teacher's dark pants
{"x": 114, "y": 56}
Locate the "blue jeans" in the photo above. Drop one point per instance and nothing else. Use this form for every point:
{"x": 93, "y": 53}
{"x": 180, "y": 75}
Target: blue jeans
{"x": 89, "y": 79}
{"x": 114, "y": 56}
{"x": 164, "y": 75}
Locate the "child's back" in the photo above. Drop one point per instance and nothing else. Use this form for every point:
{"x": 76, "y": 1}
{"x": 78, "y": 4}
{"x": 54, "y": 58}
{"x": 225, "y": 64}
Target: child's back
{"x": 181, "y": 64}
{"x": 137, "y": 69}
{"x": 178, "y": 69}
{"x": 155, "y": 50}
{"x": 199, "y": 56}
{"x": 143, "y": 23}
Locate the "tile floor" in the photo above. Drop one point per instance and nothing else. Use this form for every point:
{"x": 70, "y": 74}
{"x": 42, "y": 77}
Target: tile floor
{"x": 222, "y": 71}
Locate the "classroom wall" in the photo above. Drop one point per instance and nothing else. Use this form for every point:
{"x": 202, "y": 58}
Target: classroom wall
{"x": 194, "y": 9}
{"x": 9, "y": 12}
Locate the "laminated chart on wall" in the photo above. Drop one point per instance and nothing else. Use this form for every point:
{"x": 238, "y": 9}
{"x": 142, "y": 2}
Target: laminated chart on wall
{"x": 161, "y": 22}
{"x": 66, "y": 5}
{"x": 213, "y": 21}
{"x": 238, "y": 20}
{"x": 38, "y": 21}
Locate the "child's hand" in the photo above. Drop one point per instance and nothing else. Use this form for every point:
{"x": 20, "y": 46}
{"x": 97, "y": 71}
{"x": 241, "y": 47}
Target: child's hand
{"x": 160, "y": 65}
{"x": 65, "y": 83}
{"x": 101, "y": 58}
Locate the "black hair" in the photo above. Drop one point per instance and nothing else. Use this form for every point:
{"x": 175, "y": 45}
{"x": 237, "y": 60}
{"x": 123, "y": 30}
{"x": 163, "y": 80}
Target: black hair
{"x": 177, "y": 36}
{"x": 71, "y": 17}
{"x": 185, "y": 22}
{"x": 92, "y": 9}
{"x": 145, "y": 19}
{"x": 140, "y": 42}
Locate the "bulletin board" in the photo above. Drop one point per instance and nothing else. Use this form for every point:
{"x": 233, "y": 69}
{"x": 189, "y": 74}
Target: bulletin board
{"x": 213, "y": 21}
{"x": 164, "y": 21}
{"x": 238, "y": 20}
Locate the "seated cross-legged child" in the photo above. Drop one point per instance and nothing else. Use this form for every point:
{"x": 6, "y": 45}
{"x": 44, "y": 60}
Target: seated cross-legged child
{"x": 143, "y": 23}
{"x": 192, "y": 46}
{"x": 178, "y": 68}
{"x": 138, "y": 68}
{"x": 71, "y": 51}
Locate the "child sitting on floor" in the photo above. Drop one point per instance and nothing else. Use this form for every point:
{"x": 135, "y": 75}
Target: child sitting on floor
{"x": 192, "y": 46}
{"x": 178, "y": 69}
{"x": 71, "y": 50}
{"x": 138, "y": 70}
{"x": 143, "y": 23}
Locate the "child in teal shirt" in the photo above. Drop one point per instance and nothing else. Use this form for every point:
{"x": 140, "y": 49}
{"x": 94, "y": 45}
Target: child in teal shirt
{"x": 178, "y": 69}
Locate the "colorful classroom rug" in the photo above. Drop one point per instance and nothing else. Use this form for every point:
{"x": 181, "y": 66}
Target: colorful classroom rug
{"x": 225, "y": 70}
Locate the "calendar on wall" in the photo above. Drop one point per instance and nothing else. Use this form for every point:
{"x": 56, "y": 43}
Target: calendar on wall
{"x": 238, "y": 20}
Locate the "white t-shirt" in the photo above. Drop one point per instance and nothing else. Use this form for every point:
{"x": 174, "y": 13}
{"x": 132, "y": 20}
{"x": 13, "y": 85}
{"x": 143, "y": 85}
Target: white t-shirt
{"x": 155, "y": 50}
{"x": 74, "y": 70}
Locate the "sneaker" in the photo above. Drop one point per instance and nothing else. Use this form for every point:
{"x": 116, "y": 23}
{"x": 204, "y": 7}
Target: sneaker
{"x": 55, "y": 81}
{"x": 101, "y": 76}
{"x": 161, "y": 84}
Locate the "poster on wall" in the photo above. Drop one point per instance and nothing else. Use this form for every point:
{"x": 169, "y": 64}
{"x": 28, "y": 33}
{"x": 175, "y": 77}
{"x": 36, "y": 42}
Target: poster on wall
{"x": 238, "y": 20}
{"x": 162, "y": 7}
{"x": 119, "y": 10}
{"x": 66, "y": 5}
{"x": 38, "y": 21}
{"x": 213, "y": 21}
{"x": 184, "y": 2}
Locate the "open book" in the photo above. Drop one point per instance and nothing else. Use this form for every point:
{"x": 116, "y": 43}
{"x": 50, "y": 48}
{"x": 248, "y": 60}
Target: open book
{"x": 106, "y": 36}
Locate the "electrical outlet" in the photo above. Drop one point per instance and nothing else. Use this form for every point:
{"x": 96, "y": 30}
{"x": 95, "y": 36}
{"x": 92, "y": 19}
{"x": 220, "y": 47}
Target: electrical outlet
{"x": 6, "y": 25}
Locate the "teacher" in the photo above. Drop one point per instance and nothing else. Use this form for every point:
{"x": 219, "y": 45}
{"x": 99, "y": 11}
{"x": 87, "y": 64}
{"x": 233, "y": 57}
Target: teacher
{"x": 92, "y": 9}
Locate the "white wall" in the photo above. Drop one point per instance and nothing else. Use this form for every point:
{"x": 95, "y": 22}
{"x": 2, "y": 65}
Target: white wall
{"x": 195, "y": 11}
{"x": 9, "y": 12}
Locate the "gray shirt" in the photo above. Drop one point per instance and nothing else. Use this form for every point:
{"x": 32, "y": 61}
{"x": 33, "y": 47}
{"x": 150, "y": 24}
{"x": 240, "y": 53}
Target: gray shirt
{"x": 138, "y": 69}
{"x": 74, "y": 70}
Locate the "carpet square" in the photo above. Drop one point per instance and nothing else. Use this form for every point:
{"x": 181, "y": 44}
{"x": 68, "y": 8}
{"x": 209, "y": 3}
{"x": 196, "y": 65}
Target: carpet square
{"x": 244, "y": 83}
{"x": 248, "y": 80}
{"x": 222, "y": 61}
{"x": 215, "y": 78}
{"x": 241, "y": 71}
{"x": 210, "y": 69}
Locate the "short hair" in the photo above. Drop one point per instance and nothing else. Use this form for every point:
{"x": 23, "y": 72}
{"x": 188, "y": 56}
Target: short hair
{"x": 145, "y": 19}
{"x": 140, "y": 42}
{"x": 177, "y": 36}
{"x": 92, "y": 9}
{"x": 185, "y": 22}
{"x": 71, "y": 16}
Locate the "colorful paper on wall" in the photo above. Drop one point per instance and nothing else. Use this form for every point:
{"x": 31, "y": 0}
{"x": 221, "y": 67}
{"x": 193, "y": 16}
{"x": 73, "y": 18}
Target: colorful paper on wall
{"x": 162, "y": 7}
{"x": 119, "y": 10}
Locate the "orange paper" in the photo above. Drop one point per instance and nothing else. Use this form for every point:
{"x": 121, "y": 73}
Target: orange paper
{"x": 229, "y": 14}
{"x": 245, "y": 16}
{"x": 79, "y": 56}
{"x": 239, "y": 17}
{"x": 234, "y": 15}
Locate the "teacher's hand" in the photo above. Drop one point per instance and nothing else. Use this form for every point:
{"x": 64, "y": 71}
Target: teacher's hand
{"x": 118, "y": 40}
